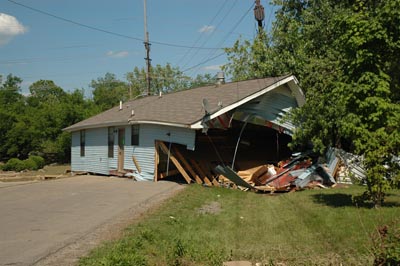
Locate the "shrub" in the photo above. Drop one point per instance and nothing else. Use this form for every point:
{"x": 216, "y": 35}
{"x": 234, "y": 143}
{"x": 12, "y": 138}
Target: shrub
{"x": 386, "y": 245}
{"x": 38, "y": 160}
{"x": 14, "y": 164}
{"x": 32, "y": 163}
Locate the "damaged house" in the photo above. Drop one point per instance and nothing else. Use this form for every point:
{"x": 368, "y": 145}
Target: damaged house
{"x": 188, "y": 133}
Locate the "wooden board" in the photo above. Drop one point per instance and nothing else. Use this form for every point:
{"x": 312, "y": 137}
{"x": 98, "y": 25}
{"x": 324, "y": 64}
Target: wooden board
{"x": 175, "y": 162}
{"x": 170, "y": 173}
{"x": 187, "y": 165}
{"x": 201, "y": 173}
{"x": 253, "y": 173}
{"x": 156, "y": 162}
{"x": 136, "y": 164}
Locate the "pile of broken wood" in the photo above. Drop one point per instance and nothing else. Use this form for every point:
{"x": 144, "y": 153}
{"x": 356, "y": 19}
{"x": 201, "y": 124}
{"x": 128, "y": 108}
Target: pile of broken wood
{"x": 298, "y": 173}
{"x": 301, "y": 171}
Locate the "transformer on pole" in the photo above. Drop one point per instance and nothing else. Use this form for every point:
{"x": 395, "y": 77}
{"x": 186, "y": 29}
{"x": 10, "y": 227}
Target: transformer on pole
{"x": 259, "y": 14}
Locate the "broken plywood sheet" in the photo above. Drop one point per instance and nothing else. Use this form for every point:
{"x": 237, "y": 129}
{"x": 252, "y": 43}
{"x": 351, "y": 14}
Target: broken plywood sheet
{"x": 253, "y": 173}
{"x": 231, "y": 175}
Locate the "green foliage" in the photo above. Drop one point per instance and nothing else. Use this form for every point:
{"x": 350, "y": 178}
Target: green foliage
{"x": 163, "y": 79}
{"x": 345, "y": 54}
{"x": 39, "y": 161}
{"x": 108, "y": 91}
{"x": 14, "y": 164}
{"x": 386, "y": 244}
{"x": 32, "y": 163}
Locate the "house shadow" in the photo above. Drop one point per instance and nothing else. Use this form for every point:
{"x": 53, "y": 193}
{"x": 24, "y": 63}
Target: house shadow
{"x": 338, "y": 200}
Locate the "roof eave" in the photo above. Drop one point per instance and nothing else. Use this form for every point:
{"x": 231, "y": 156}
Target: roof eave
{"x": 134, "y": 122}
{"x": 129, "y": 122}
{"x": 293, "y": 84}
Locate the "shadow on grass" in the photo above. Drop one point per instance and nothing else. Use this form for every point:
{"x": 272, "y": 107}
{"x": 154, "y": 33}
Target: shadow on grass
{"x": 334, "y": 200}
{"x": 338, "y": 200}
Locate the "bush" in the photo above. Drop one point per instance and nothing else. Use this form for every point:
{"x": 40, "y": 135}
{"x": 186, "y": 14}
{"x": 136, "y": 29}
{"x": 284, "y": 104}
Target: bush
{"x": 32, "y": 163}
{"x": 38, "y": 160}
{"x": 14, "y": 164}
{"x": 386, "y": 245}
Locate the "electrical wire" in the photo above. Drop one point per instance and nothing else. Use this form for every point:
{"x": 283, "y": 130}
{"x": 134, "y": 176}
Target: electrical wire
{"x": 225, "y": 38}
{"x": 212, "y": 33}
{"x": 203, "y": 62}
{"x": 107, "y": 31}
{"x": 198, "y": 39}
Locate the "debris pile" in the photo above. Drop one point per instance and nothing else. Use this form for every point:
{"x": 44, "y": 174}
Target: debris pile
{"x": 297, "y": 173}
{"x": 302, "y": 170}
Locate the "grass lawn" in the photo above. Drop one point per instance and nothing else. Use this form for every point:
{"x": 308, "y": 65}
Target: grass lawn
{"x": 206, "y": 226}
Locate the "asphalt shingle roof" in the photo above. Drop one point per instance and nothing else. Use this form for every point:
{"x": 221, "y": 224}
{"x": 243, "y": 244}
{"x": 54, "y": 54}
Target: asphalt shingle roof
{"x": 182, "y": 108}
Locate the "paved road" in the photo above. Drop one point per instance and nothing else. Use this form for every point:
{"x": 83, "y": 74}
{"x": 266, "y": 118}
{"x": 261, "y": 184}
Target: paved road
{"x": 41, "y": 218}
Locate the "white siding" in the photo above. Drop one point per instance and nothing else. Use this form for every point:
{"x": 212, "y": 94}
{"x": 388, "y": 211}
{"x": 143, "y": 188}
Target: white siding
{"x": 144, "y": 153}
{"x": 96, "y": 151}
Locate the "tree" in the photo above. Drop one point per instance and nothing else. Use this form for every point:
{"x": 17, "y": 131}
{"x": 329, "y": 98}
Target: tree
{"x": 108, "y": 91}
{"x": 46, "y": 91}
{"x": 11, "y": 106}
{"x": 163, "y": 79}
{"x": 202, "y": 80}
{"x": 345, "y": 54}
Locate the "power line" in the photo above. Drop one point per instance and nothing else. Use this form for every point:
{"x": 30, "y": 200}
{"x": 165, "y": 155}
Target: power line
{"x": 203, "y": 62}
{"x": 107, "y": 31}
{"x": 212, "y": 34}
{"x": 198, "y": 39}
{"x": 226, "y": 37}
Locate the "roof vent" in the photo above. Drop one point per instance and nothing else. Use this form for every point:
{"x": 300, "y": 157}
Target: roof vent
{"x": 120, "y": 105}
{"x": 220, "y": 78}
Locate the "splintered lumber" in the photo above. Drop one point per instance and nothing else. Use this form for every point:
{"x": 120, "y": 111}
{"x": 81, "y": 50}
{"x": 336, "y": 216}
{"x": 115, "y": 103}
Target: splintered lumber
{"x": 187, "y": 165}
{"x": 253, "y": 173}
{"x": 175, "y": 162}
{"x": 208, "y": 173}
{"x": 201, "y": 173}
{"x": 136, "y": 164}
{"x": 265, "y": 188}
{"x": 170, "y": 173}
{"x": 231, "y": 175}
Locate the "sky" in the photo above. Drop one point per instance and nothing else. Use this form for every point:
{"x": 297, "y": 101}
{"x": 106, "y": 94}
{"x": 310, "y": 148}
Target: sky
{"x": 73, "y": 42}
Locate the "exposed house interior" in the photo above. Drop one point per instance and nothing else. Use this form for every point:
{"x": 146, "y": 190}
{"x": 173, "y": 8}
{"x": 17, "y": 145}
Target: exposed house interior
{"x": 242, "y": 146}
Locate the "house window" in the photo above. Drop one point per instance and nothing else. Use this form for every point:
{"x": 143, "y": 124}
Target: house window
{"x": 135, "y": 135}
{"x": 111, "y": 142}
{"x": 82, "y": 143}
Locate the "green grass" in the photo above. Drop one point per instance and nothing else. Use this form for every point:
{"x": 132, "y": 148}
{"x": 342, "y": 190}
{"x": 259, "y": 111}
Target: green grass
{"x": 315, "y": 227}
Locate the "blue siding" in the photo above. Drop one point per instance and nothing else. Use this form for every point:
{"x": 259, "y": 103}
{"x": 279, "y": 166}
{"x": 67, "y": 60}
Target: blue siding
{"x": 96, "y": 151}
{"x": 144, "y": 153}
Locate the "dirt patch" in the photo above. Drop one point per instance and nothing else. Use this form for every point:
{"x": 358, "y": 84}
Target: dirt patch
{"x": 210, "y": 208}
{"x": 47, "y": 173}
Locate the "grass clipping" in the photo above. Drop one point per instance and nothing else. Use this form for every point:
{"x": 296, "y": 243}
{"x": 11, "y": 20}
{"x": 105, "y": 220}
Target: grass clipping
{"x": 207, "y": 226}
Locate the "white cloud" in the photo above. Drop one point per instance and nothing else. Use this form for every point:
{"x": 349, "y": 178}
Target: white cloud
{"x": 117, "y": 54}
{"x": 9, "y": 28}
{"x": 207, "y": 29}
{"x": 212, "y": 68}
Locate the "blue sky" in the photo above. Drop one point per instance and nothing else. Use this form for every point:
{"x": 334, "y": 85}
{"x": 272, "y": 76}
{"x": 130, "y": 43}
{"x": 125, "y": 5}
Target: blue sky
{"x": 37, "y": 46}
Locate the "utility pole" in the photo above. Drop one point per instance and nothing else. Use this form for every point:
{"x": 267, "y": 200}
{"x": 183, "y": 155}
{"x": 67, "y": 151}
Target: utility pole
{"x": 259, "y": 15}
{"x": 147, "y": 46}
